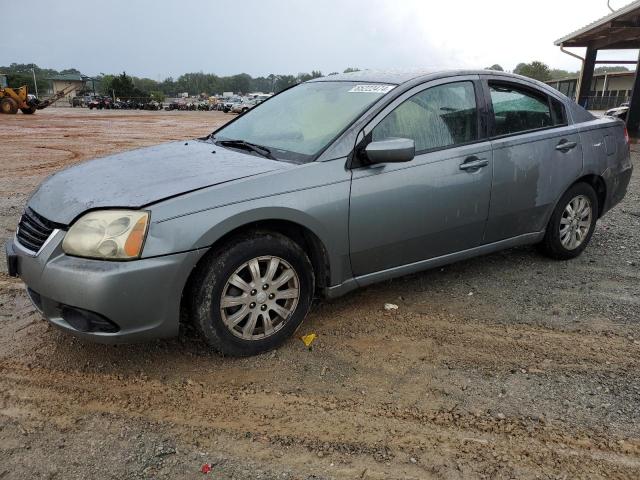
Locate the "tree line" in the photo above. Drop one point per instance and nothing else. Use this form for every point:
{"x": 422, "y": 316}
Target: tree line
{"x": 541, "y": 71}
{"x": 124, "y": 85}
{"x": 196, "y": 83}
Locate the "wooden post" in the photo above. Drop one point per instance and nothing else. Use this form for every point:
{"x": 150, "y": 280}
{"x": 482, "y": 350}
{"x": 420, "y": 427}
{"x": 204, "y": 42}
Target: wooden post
{"x": 633, "y": 117}
{"x": 586, "y": 76}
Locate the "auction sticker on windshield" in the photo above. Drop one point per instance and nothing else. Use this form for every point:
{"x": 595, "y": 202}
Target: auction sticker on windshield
{"x": 372, "y": 88}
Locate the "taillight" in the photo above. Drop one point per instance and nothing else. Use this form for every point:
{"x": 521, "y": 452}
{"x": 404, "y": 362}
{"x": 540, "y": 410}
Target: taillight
{"x": 626, "y": 135}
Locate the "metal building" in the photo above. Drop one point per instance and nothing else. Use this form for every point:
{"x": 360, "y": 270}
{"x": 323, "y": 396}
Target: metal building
{"x": 608, "y": 90}
{"x": 619, "y": 30}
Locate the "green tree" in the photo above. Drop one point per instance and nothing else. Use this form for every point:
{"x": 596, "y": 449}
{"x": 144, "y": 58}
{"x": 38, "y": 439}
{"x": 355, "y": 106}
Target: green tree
{"x": 146, "y": 84}
{"x": 351, "y": 69}
{"x": 19, "y": 74}
{"x": 495, "y": 67}
{"x": 557, "y": 73}
{"x": 610, "y": 69}
{"x": 122, "y": 86}
{"x": 536, "y": 70}
{"x": 261, "y": 84}
{"x": 283, "y": 82}
{"x": 157, "y": 96}
{"x": 303, "y": 77}
{"x": 70, "y": 71}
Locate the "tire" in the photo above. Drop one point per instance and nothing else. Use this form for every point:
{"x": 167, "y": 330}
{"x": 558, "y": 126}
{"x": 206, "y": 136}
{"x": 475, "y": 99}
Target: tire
{"x": 568, "y": 244}
{"x": 252, "y": 333}
{"x": 30, "y": 110}
{"x": 8, "y": 105}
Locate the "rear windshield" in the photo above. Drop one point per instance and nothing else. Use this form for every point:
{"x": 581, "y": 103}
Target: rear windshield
{"x": 300, "y": 122}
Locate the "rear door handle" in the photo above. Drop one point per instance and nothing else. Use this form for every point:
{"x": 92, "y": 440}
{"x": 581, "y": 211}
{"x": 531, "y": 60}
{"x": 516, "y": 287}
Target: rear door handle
{"x": 564, "y": 146}
{"x": 474, "y": 163}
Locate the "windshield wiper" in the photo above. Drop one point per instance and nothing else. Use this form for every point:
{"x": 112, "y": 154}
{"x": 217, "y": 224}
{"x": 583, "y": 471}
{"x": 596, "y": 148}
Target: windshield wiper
{"x": 252, "y": 147}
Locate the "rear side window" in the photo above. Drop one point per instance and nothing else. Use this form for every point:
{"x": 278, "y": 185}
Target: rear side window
{"x": 434, "y": 118}
{"x": 517, "y": 109}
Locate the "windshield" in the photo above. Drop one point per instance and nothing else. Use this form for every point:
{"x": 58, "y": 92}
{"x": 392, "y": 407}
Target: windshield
{"x": 300, "y": 122}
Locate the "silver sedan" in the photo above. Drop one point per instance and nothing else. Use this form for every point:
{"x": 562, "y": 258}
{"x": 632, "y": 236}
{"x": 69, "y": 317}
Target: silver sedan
{"x": 331, "y": 185}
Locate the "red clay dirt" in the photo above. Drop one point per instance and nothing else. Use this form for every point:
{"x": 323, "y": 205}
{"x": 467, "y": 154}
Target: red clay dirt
{"x": 506, "y": 366}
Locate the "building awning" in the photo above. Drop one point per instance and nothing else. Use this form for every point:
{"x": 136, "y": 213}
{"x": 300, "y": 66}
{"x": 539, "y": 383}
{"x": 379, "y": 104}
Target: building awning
{"x": 69, "y": 77}
{"x": 618, "y": 30}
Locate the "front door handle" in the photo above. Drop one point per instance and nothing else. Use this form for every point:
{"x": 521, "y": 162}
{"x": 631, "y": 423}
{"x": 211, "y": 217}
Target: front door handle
{"x": 474, "y": 163}
{"x": 564, "y": 146}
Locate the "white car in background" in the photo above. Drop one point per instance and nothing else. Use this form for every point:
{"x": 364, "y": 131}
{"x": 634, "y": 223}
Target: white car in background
{"x": 245, "y": 105}
{"x": 619, "y": 112}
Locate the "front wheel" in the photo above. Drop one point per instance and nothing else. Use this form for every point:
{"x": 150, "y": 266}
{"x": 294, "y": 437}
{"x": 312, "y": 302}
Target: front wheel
{"x": 572, "y": 223}
{"x": 8, "y": 105}
{"x": 252, "y": 294}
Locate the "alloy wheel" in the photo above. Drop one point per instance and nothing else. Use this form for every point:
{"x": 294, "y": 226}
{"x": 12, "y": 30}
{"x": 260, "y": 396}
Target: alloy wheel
{"x": 575, "y": 222}
{"x": 259, "y": 297}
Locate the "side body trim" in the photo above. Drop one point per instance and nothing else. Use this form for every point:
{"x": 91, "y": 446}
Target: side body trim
{"x": 364, "y": 280}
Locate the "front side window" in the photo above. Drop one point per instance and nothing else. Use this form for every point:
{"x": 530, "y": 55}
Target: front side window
{"x": 434, "y": 118}
{"x": 518, "y": 109}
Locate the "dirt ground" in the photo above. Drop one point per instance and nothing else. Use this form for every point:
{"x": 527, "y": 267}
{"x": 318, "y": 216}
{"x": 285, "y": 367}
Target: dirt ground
{"x": 506, "y": 366}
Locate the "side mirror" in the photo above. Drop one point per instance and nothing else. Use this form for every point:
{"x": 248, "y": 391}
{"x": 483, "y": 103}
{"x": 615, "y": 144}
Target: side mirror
{"x": 393, "y": 150}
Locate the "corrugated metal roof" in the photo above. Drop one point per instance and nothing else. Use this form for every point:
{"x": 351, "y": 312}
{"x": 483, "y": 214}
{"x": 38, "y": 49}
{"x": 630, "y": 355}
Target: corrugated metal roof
{"x": 599, "y": 23}
{"x": 68, "y": 77}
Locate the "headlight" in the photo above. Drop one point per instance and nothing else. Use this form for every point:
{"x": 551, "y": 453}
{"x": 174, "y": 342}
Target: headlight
{"x": 108, "y": 234}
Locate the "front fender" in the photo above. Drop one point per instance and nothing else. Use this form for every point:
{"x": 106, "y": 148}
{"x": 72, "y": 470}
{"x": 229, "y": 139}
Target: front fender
{"x": 322, "y": 210}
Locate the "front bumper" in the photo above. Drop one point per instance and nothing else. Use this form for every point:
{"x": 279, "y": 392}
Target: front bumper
{"x": 139, "y": 300}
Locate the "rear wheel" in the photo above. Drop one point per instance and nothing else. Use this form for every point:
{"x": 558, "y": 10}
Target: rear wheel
{"x": 572, "y": 223}
{"x": 8, "y": 105}
{"x": 252, "y": 294}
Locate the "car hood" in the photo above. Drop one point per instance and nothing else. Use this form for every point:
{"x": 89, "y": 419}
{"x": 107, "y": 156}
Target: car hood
{"x": 140, "y": 177}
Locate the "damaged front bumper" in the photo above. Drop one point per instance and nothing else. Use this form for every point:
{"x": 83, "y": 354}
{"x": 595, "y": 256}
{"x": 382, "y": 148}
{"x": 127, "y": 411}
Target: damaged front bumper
{"x": 104, "y": 301}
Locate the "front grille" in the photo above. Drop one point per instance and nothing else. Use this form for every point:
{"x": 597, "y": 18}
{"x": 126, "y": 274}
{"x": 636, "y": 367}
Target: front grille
{"x": 34, "y": 229}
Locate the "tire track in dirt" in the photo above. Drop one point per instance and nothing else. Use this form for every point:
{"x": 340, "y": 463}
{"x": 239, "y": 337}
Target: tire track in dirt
{"x": 296, "y": 420}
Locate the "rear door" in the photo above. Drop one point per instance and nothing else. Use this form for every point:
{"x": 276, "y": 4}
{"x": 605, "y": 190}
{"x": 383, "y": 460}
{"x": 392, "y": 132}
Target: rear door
{"x": 536, "y": 156}
{"x": 435, "y": 204}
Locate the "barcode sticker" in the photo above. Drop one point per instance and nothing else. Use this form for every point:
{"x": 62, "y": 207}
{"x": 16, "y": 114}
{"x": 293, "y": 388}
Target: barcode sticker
{"x": 372, "y": 88}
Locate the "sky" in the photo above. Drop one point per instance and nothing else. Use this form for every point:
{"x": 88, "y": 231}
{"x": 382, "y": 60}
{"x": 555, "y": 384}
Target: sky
{"x": 157, "y": 39}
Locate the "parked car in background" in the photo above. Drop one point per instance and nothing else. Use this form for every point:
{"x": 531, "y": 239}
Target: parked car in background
{"x": 220, "y": 104}
{"x": 80, "y": 100}
{"x": 152, "y": 105}
{"x": 231, "y": 103}
{"x": 100, "y": 103}
{"x": 619, "y": 112}
{"x": 172, "y": 106}
{"x": 331, "y": 185}
{"x": 260, "y": 97}
{"x": 244, "y": 105}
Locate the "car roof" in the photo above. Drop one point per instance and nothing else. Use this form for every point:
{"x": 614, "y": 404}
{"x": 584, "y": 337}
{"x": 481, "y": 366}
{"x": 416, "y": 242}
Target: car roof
{"x": 410, "y": 78}
{"x": 398, "y": 77}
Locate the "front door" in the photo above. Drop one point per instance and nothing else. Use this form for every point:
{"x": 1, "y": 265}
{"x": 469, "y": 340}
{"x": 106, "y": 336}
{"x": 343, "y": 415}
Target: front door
{"x": 435, "y": 204}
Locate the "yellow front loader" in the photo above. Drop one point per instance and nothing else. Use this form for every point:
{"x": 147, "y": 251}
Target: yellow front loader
{"x": 14, "y": 99}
